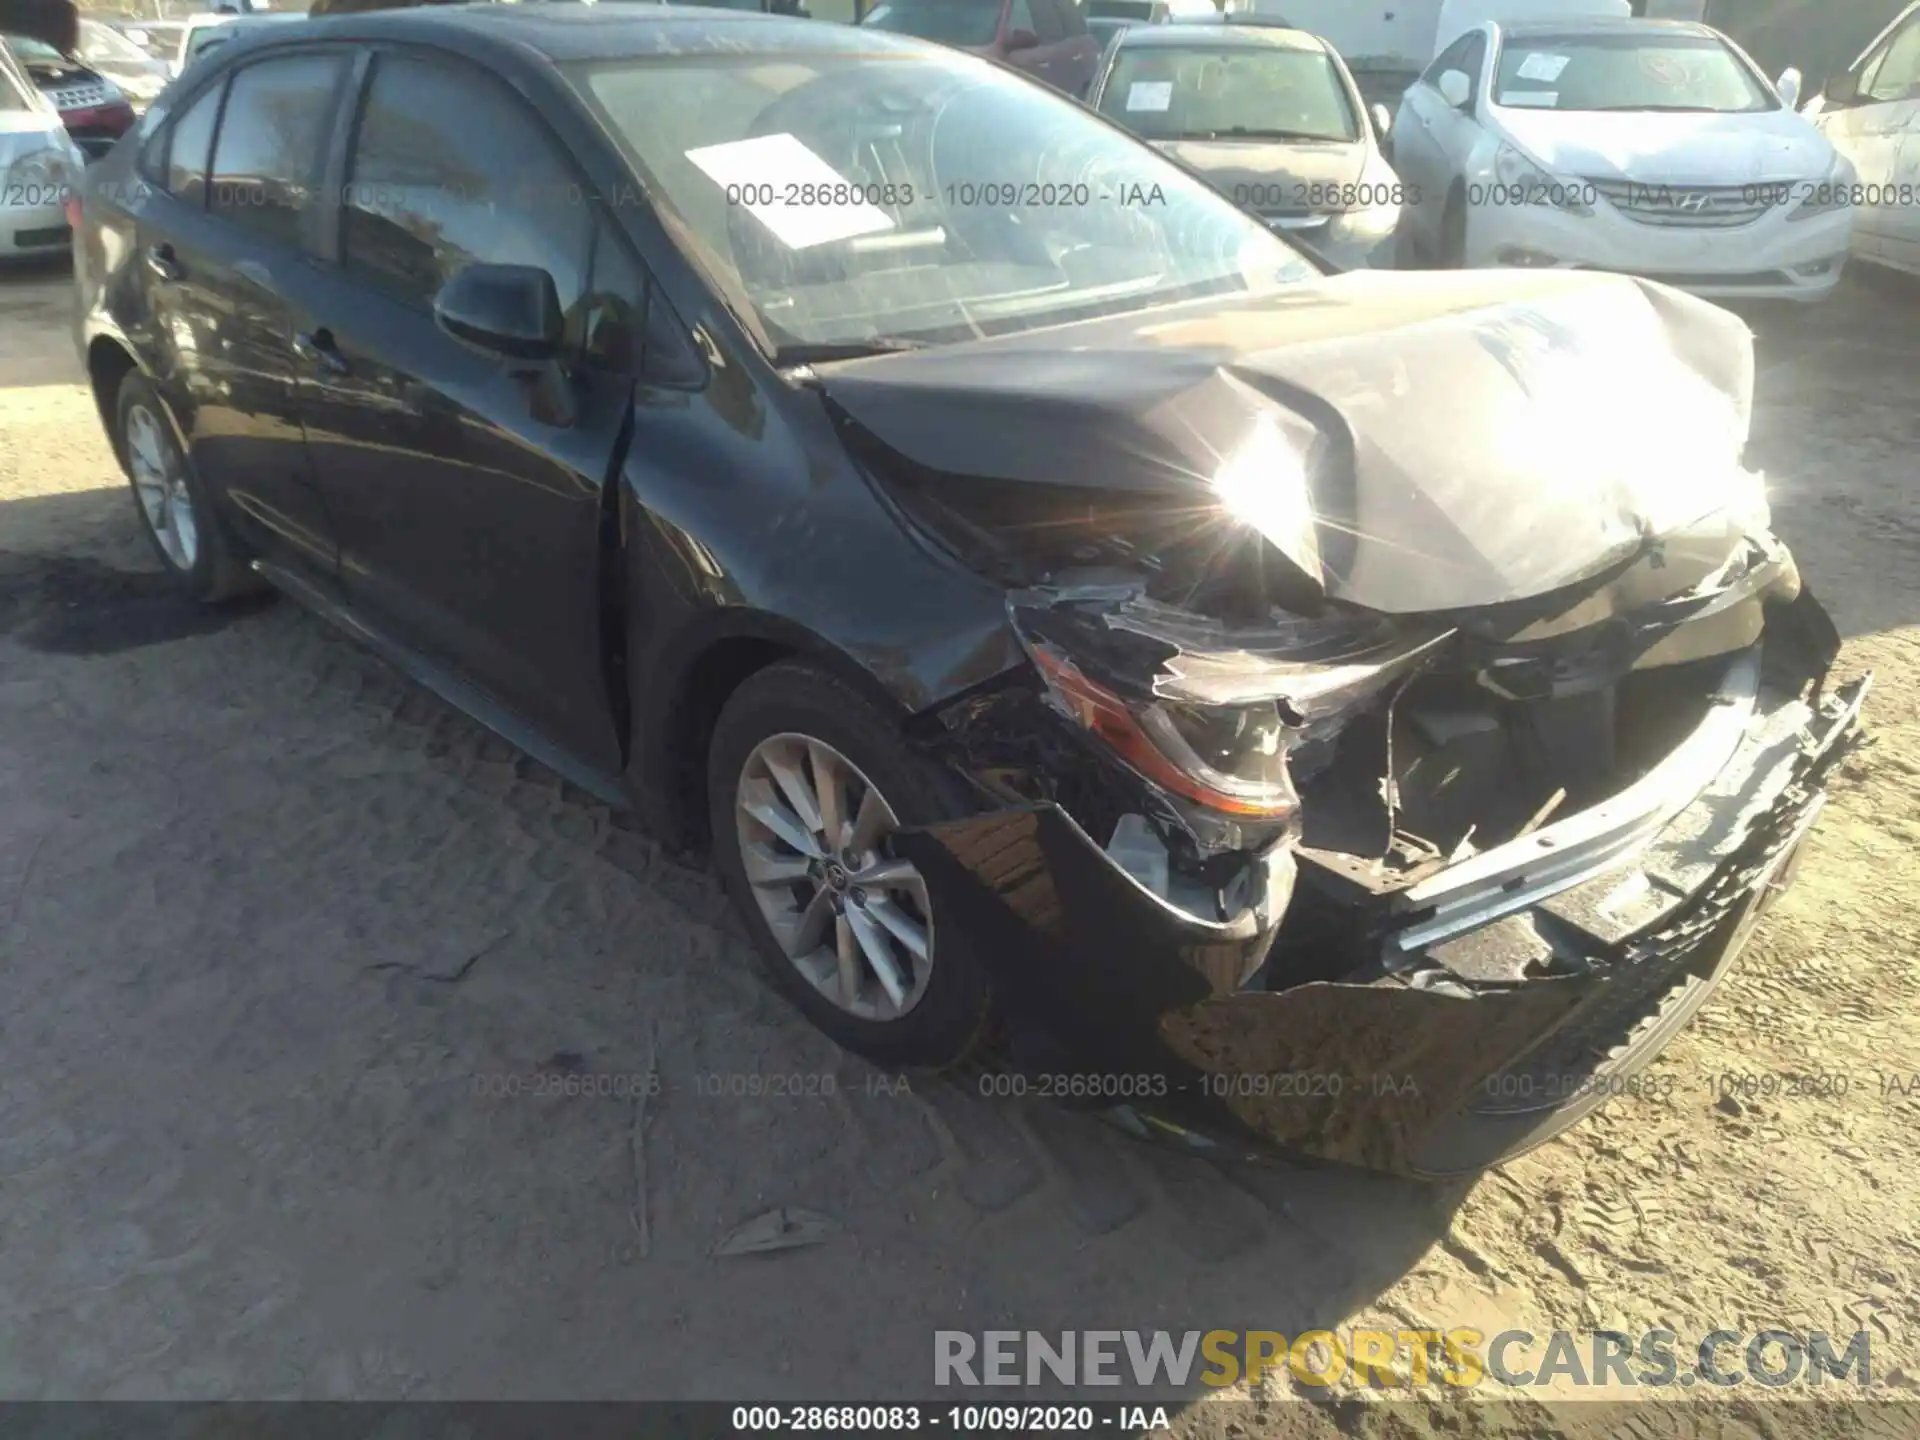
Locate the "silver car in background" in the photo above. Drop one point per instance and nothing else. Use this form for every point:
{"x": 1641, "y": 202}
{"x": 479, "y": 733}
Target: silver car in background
{"x": 39, "y": 165}
{"x": 1272, "y": 119}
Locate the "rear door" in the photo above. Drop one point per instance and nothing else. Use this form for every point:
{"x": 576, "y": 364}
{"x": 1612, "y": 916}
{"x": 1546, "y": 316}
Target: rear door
{"x": 468, "y": 511}
{"x": 233, "y": 182}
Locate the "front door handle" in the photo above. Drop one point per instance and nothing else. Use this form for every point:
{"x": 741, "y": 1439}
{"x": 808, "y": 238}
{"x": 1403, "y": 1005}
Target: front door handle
{"x": 163, "y": 262}
{"x": 317, "y": 348}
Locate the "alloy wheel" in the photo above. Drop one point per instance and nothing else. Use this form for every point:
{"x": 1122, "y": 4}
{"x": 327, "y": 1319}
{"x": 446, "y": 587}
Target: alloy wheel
{"x": 161, "y": 485}
{"x": 852, "y": 918}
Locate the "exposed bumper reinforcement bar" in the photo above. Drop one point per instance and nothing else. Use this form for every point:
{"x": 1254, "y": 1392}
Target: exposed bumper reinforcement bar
{"x": 1401, "y": 1074}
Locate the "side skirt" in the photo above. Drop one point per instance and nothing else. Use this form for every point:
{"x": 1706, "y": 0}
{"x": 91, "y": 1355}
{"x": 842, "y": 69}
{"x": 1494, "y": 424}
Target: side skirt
{"x": 450, "y": 686}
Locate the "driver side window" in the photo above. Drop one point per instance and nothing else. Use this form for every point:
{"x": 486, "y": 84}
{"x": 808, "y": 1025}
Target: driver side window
{"x": 450, "y": 169}
{"x": 1894, "y": 74}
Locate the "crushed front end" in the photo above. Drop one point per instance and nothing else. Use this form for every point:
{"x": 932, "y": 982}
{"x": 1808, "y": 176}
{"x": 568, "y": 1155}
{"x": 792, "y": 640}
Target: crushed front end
{"x": 1407, "y": 745}
{"x": 1412, "y": 894}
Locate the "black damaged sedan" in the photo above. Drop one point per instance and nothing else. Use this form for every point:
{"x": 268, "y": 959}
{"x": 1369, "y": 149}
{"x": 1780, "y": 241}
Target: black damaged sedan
{"x": 1361, "y": 714}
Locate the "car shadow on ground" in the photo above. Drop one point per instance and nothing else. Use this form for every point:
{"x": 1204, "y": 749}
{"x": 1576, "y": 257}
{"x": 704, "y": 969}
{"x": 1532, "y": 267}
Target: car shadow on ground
{"x": 348, "y": 1052}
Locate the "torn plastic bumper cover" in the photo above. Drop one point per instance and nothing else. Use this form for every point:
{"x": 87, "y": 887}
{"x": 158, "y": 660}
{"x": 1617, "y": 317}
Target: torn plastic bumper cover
{"x": 1505, "y": 993}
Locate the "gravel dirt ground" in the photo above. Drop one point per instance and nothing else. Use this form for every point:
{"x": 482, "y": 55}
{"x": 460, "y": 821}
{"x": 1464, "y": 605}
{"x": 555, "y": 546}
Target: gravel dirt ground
{"x": 267, "y": 909}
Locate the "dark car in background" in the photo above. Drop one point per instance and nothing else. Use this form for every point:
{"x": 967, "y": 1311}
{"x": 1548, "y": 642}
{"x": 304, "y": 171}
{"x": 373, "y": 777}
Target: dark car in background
{"x": 1047, "y": 39}
{"x": 1103, "y": 28}
{"x": 109, "y": 52}
{"x": 1079, "y": 631}
{"x": 1273, "y": 119}
{"x": 43, "y": 36}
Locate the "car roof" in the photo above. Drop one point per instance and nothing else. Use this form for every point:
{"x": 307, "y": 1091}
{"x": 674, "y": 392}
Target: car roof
{"x": 565, "y": 30}
{"x": 1188, "y": 37}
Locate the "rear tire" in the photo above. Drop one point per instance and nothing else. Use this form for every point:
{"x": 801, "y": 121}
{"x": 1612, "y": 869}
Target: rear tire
{"x": 175, "y": 509}
{"x": 829, "y": 941}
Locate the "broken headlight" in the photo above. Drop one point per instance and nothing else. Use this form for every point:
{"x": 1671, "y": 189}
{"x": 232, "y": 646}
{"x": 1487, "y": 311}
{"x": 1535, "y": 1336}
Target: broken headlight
{"x": 1227, "y": 759}
{"x": 1214, "y": 717}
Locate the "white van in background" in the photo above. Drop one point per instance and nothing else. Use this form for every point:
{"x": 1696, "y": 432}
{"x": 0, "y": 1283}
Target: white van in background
{"x": 1459, "y": 16}
{"x": 1406, "y": 34}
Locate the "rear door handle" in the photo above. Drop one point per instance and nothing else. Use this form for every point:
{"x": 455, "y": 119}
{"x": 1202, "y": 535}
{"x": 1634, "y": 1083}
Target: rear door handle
{"x": 317, "y": 348}
{"x": 163, "y": 262}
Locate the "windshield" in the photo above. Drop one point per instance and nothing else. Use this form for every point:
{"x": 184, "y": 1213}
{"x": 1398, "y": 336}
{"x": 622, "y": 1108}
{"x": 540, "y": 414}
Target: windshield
{"x": 35, "y": 52}
{"x": 1212, "y": 92}
{"x": 951, "y": 22}
{"x": 103, "y": 43}
{"x": 1647, "y": 71}
{"x": 904, "y": 195}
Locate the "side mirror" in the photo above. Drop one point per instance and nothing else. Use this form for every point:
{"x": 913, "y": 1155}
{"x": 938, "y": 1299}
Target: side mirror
{"x": 1455, "y": 88}
{"x": 1382, "y": 120}
{"x": 1789, "y": 87}
{"x": 1842, "y": 89}
{"x": 1021, "y": 40}
{"x": 507, "y": 310}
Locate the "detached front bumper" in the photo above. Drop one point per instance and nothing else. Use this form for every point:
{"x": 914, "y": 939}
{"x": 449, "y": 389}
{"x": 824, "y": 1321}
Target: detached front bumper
{"x": 1507, "y": 995}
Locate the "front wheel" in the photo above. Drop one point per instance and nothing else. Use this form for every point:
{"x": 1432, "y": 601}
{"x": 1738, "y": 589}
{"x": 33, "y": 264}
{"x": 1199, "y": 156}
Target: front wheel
{"x": 808, "y": 784}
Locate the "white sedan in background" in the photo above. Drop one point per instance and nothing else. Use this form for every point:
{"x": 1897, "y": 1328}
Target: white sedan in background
{"x": 1871, "y": 113}
{"x": 39, "y": 166}
{"x": 1651, "y": 147}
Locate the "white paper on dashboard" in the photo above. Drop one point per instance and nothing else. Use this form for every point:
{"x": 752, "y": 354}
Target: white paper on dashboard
{"x": 779, "y": 166}
{"x": 1539, "y": 99}
{"x": 1150, "y": 95}
{"x": 1543, "y": 67}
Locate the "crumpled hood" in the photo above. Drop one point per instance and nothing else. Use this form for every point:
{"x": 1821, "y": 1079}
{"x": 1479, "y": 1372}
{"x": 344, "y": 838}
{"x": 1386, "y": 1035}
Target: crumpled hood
{"x": 1668, "y": 149}
{"x": 1411, "y": 442}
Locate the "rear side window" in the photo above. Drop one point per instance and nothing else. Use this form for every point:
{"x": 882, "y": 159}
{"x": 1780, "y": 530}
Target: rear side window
{"x": 267, "y": 159}
{"x": 189, "y": 146}
{"x": 451, "y": 168}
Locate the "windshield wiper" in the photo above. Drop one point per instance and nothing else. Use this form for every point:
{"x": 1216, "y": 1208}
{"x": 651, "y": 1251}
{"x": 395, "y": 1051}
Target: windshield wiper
{"x": 1670, "y": 109}
{"x": 828, "y": 351}
{"x": 1242, "y": 132}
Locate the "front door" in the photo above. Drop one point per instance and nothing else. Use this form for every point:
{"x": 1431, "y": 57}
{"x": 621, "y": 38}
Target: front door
{"x": 467, "y": 506}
